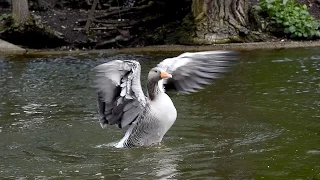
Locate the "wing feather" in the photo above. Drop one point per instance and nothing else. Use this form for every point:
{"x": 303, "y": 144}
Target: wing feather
{"x": 191, "y": 71}
{"x": 120, "y": 96}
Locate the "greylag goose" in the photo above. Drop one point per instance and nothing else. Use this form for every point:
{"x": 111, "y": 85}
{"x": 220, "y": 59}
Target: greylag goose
{"x": 121, "y": 99}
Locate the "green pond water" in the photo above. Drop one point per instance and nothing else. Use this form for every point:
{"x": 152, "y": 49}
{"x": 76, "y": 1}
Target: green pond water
{"x": 261, "y": 121}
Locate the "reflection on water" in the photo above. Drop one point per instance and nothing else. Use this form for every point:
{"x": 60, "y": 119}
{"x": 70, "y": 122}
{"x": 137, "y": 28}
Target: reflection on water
{"x": 260, "y": 121}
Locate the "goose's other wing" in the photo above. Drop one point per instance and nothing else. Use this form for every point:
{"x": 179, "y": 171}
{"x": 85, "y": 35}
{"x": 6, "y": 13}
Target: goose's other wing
{"x": 191, "y": 71}
{"x": 120, "y": 96}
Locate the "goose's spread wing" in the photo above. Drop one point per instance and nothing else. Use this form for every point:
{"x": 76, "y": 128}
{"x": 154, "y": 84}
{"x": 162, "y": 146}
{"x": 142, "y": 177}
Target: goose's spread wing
{"x": 120, "y": 96}
{"x": 191, "y": 71}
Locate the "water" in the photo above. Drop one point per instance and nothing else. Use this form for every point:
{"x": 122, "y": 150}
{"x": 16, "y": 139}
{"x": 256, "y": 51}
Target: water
{"x": 261, "y": 121}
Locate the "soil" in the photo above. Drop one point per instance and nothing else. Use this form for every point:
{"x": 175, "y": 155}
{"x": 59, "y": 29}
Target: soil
{"x": 65, "y": 20}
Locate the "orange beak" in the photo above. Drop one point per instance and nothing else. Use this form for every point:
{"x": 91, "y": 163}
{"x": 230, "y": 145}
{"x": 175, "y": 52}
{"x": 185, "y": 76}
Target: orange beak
{"x": 165, "y": 75}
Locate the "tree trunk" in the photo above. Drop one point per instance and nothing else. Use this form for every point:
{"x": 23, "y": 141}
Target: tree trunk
{"x": 20, "y": 10}
{"x": 220, "y": 21}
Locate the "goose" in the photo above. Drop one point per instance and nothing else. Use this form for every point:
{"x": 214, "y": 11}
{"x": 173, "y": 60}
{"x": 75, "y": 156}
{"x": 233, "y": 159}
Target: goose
{"x": 122, "y": 102}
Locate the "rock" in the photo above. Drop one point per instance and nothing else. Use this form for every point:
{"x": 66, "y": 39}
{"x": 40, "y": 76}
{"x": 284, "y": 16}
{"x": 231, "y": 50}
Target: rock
{"x": 8, "y": 48}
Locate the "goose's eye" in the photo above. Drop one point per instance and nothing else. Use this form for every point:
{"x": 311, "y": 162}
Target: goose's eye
{"x": 155, "y": 71}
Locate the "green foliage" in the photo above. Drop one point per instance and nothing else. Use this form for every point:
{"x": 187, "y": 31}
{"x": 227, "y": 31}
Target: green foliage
{"x": 293, "y": 18}
{"x": 6, "y": 21}
{"x": 4, "y": 16}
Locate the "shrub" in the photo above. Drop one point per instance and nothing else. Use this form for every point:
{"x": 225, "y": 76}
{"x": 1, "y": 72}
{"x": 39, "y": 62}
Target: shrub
{"x": 293, "y": 18}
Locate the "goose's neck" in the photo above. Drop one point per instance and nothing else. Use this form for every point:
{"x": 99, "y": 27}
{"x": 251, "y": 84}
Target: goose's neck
{"x": 154, "y": 89}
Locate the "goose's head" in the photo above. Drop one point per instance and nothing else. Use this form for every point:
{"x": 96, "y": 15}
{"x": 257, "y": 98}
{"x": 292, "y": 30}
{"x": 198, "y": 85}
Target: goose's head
{"x": 157, "y": 74}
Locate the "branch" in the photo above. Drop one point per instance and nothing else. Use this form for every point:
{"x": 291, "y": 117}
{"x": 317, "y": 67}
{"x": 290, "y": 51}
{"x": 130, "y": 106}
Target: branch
{"x": 117, "y": 11}
{"x": 114, "y": 40}
{"x": 114, "y": 12}
{"x": 119, "y": 23}
{"x": 102, "y": 28}
{"x": 90, "y": 17}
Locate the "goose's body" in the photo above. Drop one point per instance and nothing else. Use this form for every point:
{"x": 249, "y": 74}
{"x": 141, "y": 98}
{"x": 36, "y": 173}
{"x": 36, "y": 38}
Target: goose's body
{"x": 121, "y": 99}
{"x": 150, "y": 128}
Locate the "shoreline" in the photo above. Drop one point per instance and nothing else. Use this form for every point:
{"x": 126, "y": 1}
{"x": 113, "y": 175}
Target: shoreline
{"x": 170, "y": 48}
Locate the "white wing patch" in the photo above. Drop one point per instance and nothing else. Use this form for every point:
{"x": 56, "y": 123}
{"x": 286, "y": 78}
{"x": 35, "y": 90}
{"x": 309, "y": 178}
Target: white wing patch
{"x": 171, "y": 64}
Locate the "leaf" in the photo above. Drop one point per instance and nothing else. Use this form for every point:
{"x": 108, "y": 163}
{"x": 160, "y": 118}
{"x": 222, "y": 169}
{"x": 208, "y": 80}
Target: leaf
{"x": 292, "y": 29}
{"x": 312, "y": 33}
{"x": 286, "y": 30}
{"x": 305, "y": 7}
{"x": 305, "y": 12}
{"x": 309, "y": 25}
{"x": 302, "y": 30}
{"x": 258, "y": 8}
{"x": 284, "y": 1}
{"x": 269, "y": 6}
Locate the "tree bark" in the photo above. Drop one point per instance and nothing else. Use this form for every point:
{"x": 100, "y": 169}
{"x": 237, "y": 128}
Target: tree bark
{"x": 220, "y": 21}
{"x": 20, "y": 10}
